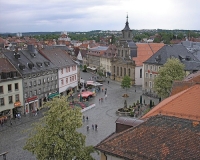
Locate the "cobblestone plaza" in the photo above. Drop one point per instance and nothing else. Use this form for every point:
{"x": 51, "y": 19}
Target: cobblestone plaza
{"x": 12, "y": 137}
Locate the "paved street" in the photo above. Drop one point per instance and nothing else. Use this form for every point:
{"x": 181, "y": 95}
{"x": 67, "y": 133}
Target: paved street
{"x": 12, "y": 139}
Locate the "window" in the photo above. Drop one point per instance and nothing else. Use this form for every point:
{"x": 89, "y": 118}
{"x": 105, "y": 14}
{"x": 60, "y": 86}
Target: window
{"x": 10, "y": 99}
{"x": 129, "y": 72}
{"x": 70, "y": 79}
{"x": 66, "y": 80}
{"x": 39, "y": 81}
{"x": 39, "y": 91}
{"x": 146, "y": 66}
{"x": 61, "y": 71}
{"x": 56, "y": 77}
{"x": 151, "y": 68}
{"x": 1, "y": 89}
{"x": 2, "y": 101}
{"x": 44, "y": 80}
{"x": 140, "y": 73}
{"x": 62, "y": 82}
{"x": 34, "y": 83}
{"x": 56, "y": 86}
{"x": 124, "y": 71}
{"x": 147, "y": 75}
{"x": 120, "y": 71}
{"x": 145, "y": 84}
{"x": 155, "y": 76}
{"x": 25, "y": 84}
{"x": 122, "y": 54}
{"x": 25, "y": 95}
{"x": 75, "y": 77}
{"x": 51, "y": 78}
{"x": 151, "y": 76}
{"x": 69, "y": 69}
{"x": 16, "y": 86}
{"x": 114, "y": 69}
{"x": 150, "y": 84}
{"x": 48, "y": 79}
{"x": 30, "y": 94}
{"x": 117, "y": 70}
{"x": 16, "y": 97}
{"x": 9, "y": 87}
{"x": 30, "y": 84}
{"x": 35, "y": 92}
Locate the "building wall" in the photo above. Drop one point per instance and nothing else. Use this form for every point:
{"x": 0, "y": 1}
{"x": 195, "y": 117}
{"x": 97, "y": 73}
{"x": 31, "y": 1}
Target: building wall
{"x": 40, "y": 84}
{"x": 106, "y": 64}
{"x": 5, "y": 95}
{"x": 139, "y": 76}
{"x": 150, "y": 72}
{"x": 118, "y": 71}
{"x": 94, "y": 61}
{"x": 68, "y": 78}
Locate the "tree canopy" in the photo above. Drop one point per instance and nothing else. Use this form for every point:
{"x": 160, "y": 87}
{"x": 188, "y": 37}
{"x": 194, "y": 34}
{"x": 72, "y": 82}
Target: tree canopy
{"x": 126, "y": 82}
{"x": 172, "y": 70}
{"x": 55, "y": 136}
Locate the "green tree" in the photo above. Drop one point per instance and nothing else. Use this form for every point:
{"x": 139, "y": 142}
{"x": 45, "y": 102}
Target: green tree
{"x": 125, "y": 84}
{"x": 55, "y": 136}
{"x": 172, "y": 70}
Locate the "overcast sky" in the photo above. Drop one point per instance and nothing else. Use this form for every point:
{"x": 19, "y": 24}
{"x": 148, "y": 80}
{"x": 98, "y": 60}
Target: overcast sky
{"x": 87, "y": 15}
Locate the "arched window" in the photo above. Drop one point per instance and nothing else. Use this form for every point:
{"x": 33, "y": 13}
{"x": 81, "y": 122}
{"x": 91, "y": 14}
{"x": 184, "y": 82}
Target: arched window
{"x": 141, "y": 73}
{"x": 129, "y": 72}
{"x": 118, "y": 71}
{"x": 124, "y": 71}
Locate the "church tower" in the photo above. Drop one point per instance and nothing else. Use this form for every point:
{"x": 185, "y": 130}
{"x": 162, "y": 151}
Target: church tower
{"x": 122, "y": 64}
{"x": 127, "y": 33}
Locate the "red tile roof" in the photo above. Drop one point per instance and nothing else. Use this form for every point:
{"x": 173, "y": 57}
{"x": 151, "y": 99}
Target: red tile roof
{"x": 6, "y": 66}
{"x": 145, "y": 51}
{"x": 160, "y": 137}
{"x": 185, "y": 104}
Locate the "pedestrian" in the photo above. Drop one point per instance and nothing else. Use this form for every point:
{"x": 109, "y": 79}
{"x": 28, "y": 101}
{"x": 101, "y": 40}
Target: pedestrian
{"x": 99, "y": 100}
{"x": 105, "y": 92}
{"x": 102, "y": 90}
{"x": 88, "y": 128}
{"x": 108, "y": 82}
{"x": 106, "y": 97}
{"x": 87, "y": 118}
{"x": 93, "y": 126}
{"x": 96, "y": 127}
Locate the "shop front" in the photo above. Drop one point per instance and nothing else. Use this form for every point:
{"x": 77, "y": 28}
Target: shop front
{"x": 31, "y": 104}
{"x": 18, "y": 109}
{"x": 5, "y": 115}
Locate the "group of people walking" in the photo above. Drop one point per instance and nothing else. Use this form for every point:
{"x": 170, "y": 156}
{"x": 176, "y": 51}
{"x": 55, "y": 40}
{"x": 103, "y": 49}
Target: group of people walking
{"x": 94, "y": 127}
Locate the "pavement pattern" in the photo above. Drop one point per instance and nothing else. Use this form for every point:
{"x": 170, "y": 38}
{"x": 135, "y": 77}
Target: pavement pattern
{"x": 12, "y": 137}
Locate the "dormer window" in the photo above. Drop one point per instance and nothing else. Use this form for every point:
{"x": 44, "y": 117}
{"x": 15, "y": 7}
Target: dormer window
{"x": 30, "y": 65}
{"x": 17, "y": 55}
{"x": 158, "y": 58}
{"x": 46, "y": 63}
{"x": 22, "y": 67}
{"x": 33, "y": 54}
{"x": 39, "y": 64}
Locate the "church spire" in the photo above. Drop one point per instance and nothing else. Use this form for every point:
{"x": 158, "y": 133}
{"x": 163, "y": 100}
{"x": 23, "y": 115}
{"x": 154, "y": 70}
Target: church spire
{"x": 126, "y": 24}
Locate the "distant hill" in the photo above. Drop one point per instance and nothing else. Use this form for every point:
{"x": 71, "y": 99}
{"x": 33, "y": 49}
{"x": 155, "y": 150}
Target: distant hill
{"x": 29, "y": 33}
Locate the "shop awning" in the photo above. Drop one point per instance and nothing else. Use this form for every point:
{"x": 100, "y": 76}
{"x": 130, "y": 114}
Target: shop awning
{"x": 53, "y": 95}
{"x": 86, "y": 94}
